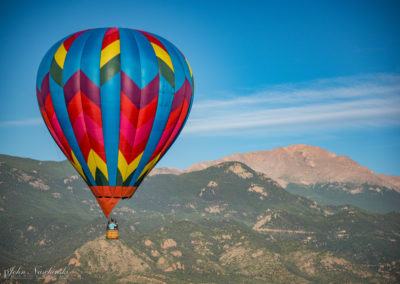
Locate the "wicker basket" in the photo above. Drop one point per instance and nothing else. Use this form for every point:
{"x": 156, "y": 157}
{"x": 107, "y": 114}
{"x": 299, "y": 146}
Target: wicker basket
{"x": 112, "y": 235}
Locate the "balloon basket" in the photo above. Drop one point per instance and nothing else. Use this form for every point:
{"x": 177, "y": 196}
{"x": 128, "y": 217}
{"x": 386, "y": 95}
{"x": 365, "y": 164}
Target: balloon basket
{"x": 112, "y": 234}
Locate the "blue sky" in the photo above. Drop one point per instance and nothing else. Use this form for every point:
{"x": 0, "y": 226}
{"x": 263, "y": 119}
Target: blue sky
{"x": 267, "y": 73}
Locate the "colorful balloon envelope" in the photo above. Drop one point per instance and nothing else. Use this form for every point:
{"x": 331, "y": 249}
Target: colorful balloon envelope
{"x": 114, "y": 101}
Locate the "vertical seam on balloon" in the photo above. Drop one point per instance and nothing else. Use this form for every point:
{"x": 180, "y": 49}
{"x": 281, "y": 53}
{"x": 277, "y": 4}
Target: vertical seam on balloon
{"x": 181, "y": 107}
{"x": 60, "y": 141}
{"x": 119, "y": 114}
{"x": 102, "y": 84}
{"x": 188, "y": 112}
{"x": 55, "y": 113}
{"x": 77, "y": 156}
{"x": 132, "y": 182}
{"x": 83, "y": 111}
{"x": 120, "y": 97}
{"x": 133, "y": 34}
{"x": 44, "y": 113}
{"x": 66, "y": 106}
{"x": 166, "y": 147}
{"x": 126, "y": 168}
{"x": 191, "y": 99}
{"x": 48, "y": 87}
{"x": 73, "y": 131}
{"x": 101, "y": 107}
{"x": 160, "y": 92}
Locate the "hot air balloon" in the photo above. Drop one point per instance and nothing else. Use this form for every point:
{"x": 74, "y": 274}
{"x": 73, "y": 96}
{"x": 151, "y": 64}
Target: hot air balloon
{"x": 114, "y": 100}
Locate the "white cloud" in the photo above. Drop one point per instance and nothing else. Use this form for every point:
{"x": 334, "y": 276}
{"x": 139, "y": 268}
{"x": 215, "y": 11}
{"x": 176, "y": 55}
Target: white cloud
{"x": 335, "y": 103}
{"x": 23, "y": 122}
{"x": 346, "y": 102}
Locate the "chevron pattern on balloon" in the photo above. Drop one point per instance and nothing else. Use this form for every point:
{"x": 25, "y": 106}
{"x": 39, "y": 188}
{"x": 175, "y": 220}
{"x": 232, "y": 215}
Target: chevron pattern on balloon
{"x": 51, "y": 121}
{"x": 57, "y": 65}
{"x": 82, "y": 98}
{"x": 110, "y": 59}
{"x": 179, "y": 111}
{"x": 163, "y": 58}
{"x": 138, "y": 109}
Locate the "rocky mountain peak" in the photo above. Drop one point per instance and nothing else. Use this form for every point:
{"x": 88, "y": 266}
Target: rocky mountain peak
{"x": 302, "y": 164}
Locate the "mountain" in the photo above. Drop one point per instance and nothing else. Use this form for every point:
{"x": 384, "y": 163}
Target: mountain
{"x": 301, "y": 164}
{"x": 223, "y": 224}
{"x": 394, "y": 180}
{"x": 317, "y": 174}
{"x": 209, "y": 252}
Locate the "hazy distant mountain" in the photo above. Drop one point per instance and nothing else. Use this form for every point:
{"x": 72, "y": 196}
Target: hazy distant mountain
{"x": 301, "y": 164}
{"x": 394, "y": 180}
{"x": 317, "y": 174}
{"x": 224, "y": 224}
